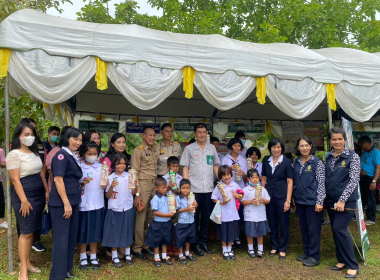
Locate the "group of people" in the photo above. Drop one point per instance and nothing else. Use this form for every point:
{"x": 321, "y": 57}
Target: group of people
{"x": 67, "y": 176}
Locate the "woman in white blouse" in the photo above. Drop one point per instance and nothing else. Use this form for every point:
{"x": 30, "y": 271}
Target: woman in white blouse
{"x": 30, "y": 192}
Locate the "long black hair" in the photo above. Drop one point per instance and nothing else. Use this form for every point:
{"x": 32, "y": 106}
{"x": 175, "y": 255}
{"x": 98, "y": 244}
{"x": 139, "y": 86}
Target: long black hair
{"x": 111, "y": 151}
{"x": 88, "y": 134}
{"x": 116, "y": 159}
{"x": 86, "y": 146}
{"x": 16, "y": 144}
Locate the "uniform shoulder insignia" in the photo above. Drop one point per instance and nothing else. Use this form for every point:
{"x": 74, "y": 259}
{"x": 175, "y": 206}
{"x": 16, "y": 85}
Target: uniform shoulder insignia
{"x": 141, "y": 147}
{"x": 175, "y": 142}
{"x": 155, "y": 145}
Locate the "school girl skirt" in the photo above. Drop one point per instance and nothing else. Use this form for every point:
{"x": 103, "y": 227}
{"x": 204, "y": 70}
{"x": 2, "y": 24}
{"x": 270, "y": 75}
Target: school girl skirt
{"x": 118, "y": 229}
{"x": 185, "y": 233}
{"x": 159, "y": 233}
{"x": 35, "y": 193}
{"x": 256, "y": 229}
{"x": 90, "y": 227}
{"x": 228, "y": 231}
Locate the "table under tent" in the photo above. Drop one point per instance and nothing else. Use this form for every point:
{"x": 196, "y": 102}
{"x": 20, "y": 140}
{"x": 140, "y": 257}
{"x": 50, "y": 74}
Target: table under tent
{"x": 132, "y": 73}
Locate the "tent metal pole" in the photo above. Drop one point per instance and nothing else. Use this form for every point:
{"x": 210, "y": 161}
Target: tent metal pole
{"x": 8, "y": 184}
{"x": 329, "y": 116}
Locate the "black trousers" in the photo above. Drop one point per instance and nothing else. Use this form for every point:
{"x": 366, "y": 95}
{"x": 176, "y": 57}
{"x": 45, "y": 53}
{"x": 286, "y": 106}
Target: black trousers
{"x": 64, "y": 241}
{"x": 339, "y": 223}
{"x": 204, "y": 211}
{"x": 2, "y": 201}
{"x": 368, "y": 197}
{"x": 310, "y": 224}
{"x": 276, "y": 215}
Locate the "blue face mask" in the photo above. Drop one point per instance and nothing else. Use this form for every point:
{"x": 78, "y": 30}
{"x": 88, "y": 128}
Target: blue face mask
{"x": 252, "y": 184}
{"x": 243, "y": 141}
{"x": 54, "y": 139}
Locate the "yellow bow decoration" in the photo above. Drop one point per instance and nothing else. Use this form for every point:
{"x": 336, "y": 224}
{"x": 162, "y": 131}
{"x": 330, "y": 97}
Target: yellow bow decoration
{"x": 268, "y": 127}
{"x": 330, "y": 91}
{"x": 188, "y": 80}
{"x": 261, "y": 90}
{"x": 101, "y": 74}
{"x": 5, "y": 56}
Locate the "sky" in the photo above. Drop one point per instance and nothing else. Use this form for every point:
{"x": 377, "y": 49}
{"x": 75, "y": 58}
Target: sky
{"x": 69, "y": 11}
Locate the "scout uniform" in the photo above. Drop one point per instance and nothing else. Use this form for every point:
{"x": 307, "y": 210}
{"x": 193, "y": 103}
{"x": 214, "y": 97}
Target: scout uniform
{"x": 164, "y": 152}
{"x": 144, "y": 160}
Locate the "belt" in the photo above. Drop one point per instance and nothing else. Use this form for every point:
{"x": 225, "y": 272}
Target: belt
{"x": 147, "y": 180}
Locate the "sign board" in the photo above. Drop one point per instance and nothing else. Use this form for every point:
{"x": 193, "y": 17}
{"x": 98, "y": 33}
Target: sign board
{"x": 133, "y": 127}
{"x": 246, "y": 127}
{"x": 189, "y": 126}
{"x": 291, "y": 132}
{"x": 102, "y": 127}
{"x": 316, "y": 132}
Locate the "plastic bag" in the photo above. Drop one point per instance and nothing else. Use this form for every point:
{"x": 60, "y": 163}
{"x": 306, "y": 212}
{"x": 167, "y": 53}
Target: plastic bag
{"x": 216, "y": 215}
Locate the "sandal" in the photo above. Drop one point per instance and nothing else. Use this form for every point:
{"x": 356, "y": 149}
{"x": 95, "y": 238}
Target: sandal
{"x": 182, "y": 260}
{"x": 167, "y": 261}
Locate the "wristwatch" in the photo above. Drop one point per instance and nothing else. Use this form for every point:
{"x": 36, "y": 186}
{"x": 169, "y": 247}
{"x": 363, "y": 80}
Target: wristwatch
{"x": 289, "y": 201}
{"x": 137, "y": 194}
{"x": 373, "y": 181}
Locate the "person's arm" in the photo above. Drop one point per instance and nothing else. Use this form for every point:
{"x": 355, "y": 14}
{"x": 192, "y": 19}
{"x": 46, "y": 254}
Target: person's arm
{"x": 320, "y": 174}
{"x": 135, "y": 164}
{"x": 263, "y": 181}
{"x": 43, "y": 177}
{"x": 372, "y": 186}
{"x": 185, "y": 162}
{"x": 163, "y": 215}
{"x": 216, "y": 170}
{"x": 2, "y": 159}
{"x": 289, "y": 181}
{"x": 60, "y": 185}
{"x": 110, "y": 190}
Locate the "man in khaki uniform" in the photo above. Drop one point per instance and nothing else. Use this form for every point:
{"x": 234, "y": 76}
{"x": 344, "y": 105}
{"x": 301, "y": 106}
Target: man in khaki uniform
{"x": 144, "y": 160}
{"x": 166, "y": 148}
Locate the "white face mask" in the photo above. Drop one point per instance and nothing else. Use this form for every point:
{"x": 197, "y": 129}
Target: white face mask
{"x": 28, "y": 140}
{"x": 91, "y": 159}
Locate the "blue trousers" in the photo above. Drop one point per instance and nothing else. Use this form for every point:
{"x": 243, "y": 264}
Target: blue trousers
{"x": 276, "y": 215}
{"x": 310, "y": 224}
{"x": 64, "y": 241}
{"x": 339, "y": 223}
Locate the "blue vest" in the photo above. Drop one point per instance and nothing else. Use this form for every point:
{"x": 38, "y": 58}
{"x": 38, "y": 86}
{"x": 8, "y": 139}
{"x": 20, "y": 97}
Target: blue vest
{"x": 305, "y": 184}
{"x": 337, "y": 180}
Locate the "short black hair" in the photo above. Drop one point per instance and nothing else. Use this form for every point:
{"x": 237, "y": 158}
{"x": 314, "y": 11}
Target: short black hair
{"x": 234, "y": 141}
{"x": 16, "y": 144}
{"x": 239, "y": 134}
{"x": 365, "y": 139}
{"x": 146, "y": 128}
{"x": 274, "y": 142}
{"x": 164, "y": 125}
{"x": 199, "y": 125}
{"x": 214, "y": 139}
{"x": 192, "y": 141}
{"x": 64, "y": 129}
{"x": 88, "y": 134}
{"x": 336, "y": 130}
{"x": 184, "y": 182}
{"x": 28, "y": 120}
{"x": 173, "y": 160}
{"x": 71, "y": 132}
{"x": 54, "y": 128}
{"x": 253, "y": 171}
{"x": 116, "y": 159}
{"x": 307, "y": 139}
{"x": 252, "y": 150}
{"x": 160, "y": 181}
{"x": 223, "y": 170}
{"x": 86, "y": 146}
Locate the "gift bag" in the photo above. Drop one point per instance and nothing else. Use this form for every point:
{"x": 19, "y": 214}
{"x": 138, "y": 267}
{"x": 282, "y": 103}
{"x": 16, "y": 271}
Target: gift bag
{"x": 46, "y": 223}
{"x": 216, "y": 215}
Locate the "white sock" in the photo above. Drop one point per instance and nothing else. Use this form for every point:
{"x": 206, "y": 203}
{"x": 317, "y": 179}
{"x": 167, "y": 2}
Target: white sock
{"x": 114, "y": 255}
{"x": 156, "y": 256}
{"x": 93, "y": 258}
{"x": 164, "y": 255}
{"x": 228, "y": 249}
{"x": 187, "y": 253}
{"x": 128, "y": 252}
{"x": 83, "y": 257}
{"x": 260, "y": 248}
{"x": 250, "y": 247}
{"x": 224, "y": 249}
{"x": 180, "y": 255}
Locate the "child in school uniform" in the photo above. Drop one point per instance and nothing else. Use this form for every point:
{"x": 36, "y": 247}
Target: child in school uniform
{"x": 118, "y": 224}
{"x": 91, "y": 208}
{"x": 160, "y": 230}
{"x": 256, "y": 225}
{"x": 228, "y": 231}
{"x": 185, "y": 229}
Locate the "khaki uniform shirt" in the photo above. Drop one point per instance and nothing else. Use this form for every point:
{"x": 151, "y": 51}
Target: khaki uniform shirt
{"x": 164, "y": 152}
{"x": 144, "y": 160}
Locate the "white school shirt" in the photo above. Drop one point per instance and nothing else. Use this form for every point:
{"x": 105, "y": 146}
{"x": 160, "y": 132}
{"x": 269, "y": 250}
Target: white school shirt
{"x": 228, "y": 160}
{"x": 281, "y": 158}
{"x": 177, "y": 177}
{"x": 243, "y": 152}
{"x": 254, "y": 213}
{"x": 229, "y": 211}
{"x": 92, "y": 194}
{"x": 122, "y": 198}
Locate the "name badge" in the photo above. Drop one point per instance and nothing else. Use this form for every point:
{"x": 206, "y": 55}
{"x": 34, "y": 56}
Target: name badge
{"x": 114, "y": 195}
{"x": 196, "y": 155}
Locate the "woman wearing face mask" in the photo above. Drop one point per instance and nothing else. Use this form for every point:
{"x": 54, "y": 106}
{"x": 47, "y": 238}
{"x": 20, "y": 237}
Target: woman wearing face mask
{"x": 117, "y": 146}
{"x": 89, "y": 136}
{"x": 30, "y": 191}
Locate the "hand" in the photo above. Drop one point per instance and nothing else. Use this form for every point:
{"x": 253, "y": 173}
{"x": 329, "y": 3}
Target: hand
{"x": 175, "y": 203}
{"x": 340, "y": 206}
{"x": 25, "y": 208}
{"x": 318, "y": 208}
{"x": 47, "y": 196}
{"x": 235, "y": 195}
{"x": 195, "y": 204}
{"x": 262, "y": 200}
{"x": 240, "y": 172}
{"x": 191, "y": 208}
{"x": 68, "y": 210}
{"x": 171, "y": 214}
{"x": 136, "y": 184}
{"x": 138, "y": 199}
{"x": 171, "y": 185}
{"x": 286, "y": 206}
{"x": 372, "y": 186}
{"x": 363, "y": 172}
{"x": 222, "y": 202}
{"x": 254, "y": 201}
{"x": 114, "y": 184}
{"x": 86, "y": 181}
{"x": 234, "y": 167}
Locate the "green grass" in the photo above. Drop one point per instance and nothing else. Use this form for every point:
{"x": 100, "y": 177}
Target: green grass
{"x": 213, "y": 266}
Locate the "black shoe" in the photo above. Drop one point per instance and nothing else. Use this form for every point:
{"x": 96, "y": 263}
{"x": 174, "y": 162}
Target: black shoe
{"x": 95, "y": 265}
{"x": 191, "y": 258}
{"x": 117, "y": 264}
{"x": 232, "y": 256}
{"x": 302, "y": 258}
{"x": 83, "y": 266}
{"x": 273, "y": 254}
{"x": 335, "y": 268}
{"x": 325, "y": 223}
{"x": 148, "y": 252}
{"x": 167, "y": 261}
{"x": 251, "y": 254}
{"x": 207, "y": 249}
{"x": 128, "y": 261}
{"x": 226, "y": 256}
{"x": 198, "y": 250}
{"x": 141, "y": 255}
{"x": 70, "y": 276}
{"x": 310, "y": 262}
{"x": 238, "y": 244}
{"x": 281, "y": 258}
{"x": 157, "y": 263}
{"x": 352, "y": 276}
{"x": 182, "y": 260}
{"x": 260, "y": 254}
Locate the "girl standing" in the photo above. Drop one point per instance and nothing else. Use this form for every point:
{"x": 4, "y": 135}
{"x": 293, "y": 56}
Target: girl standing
{"x": 118, "y": 225}
{"x": 91, "y": 209}
{"x": 255, "y": 216}
{"x": 228, "y": 231}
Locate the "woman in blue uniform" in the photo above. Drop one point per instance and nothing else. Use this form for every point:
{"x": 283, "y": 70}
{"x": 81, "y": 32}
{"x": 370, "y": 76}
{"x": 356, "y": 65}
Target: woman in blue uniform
{"x": 309, "y": 194}
{"x": 342, "y": 178}
{"x": 277, "y": 178}
{"x": 65, "y": 197}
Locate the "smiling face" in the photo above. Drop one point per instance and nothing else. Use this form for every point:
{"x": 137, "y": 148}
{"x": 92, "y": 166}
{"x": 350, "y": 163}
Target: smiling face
{"x": 254, "y": 157}
{"x": 304, "y": 148}
{"x": 75, "y": 142}
{"x": 201, "y": 134}
{"x": 149, "y": 136}
{"x": 337, "y": 141}
{"x": 226, "y": 177}
{"x": 276, "y": 150}
{"x": 119, "y": 145}
{"x": 120, "y": 166}
{"x": 185, "y": 190}
{"x": 96, "y": 138}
